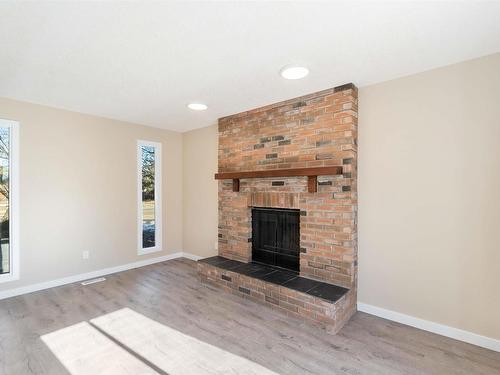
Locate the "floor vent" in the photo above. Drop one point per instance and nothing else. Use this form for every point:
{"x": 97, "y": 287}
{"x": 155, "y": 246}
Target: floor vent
{"x": 93, "y": 281}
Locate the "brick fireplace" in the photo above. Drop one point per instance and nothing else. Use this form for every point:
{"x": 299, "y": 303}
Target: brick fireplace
{"x": 305, "y": 134}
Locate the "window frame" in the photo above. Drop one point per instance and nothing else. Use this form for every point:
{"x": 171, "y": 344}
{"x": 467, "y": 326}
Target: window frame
{"x": 158, "y": 199}
{"x": 14, "y": 269}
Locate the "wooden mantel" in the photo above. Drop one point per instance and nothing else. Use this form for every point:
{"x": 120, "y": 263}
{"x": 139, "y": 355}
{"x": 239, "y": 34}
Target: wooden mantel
{"x": 311, "y": 173}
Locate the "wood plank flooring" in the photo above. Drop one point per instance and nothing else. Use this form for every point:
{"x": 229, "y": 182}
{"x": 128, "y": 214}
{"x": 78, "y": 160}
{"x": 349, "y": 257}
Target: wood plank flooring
{"x": 171, "y": 294}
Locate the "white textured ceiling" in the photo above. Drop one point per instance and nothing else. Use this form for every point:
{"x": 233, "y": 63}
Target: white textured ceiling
{"x": 144, "y": 61}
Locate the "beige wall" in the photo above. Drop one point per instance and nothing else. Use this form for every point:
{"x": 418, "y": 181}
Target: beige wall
{"x": 200, "y": 191}
{"x": 429, "y": 195}
{"x": 78, "y": 191}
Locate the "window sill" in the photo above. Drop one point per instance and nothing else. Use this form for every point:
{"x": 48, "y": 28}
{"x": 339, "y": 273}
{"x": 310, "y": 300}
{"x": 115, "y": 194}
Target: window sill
{"x": 149, "y": 250}
{"x": 5, "y": 278}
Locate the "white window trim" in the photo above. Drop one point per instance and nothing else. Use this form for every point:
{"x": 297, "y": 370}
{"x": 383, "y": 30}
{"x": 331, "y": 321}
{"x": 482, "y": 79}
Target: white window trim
{"x": 158, "y": 195}
{"x": 13, "y": 200}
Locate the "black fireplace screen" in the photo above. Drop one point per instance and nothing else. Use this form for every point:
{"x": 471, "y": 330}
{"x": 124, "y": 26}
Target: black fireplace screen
{"x": 276, "y": 237}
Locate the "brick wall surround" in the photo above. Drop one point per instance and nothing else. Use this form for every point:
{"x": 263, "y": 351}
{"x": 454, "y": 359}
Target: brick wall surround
{"x": 315, "y": 130}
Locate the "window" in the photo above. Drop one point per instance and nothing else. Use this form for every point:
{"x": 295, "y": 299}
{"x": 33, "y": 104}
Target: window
{"x": 149, "y": 197}
{"x": 9, "y": 195}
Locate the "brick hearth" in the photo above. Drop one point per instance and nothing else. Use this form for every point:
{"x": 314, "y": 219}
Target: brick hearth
{"x": 326, "y": 305}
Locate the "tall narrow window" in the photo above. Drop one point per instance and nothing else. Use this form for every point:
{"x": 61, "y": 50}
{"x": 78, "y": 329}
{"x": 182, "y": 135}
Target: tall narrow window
{"x": 149, "y": 197}
{"x": 9, "y": 211}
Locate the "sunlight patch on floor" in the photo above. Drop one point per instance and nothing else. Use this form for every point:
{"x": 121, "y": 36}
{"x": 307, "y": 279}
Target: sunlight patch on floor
{"x": 170, "y": 350}
{"x": 83, "y": 350}
{"x": 126, "y": 342}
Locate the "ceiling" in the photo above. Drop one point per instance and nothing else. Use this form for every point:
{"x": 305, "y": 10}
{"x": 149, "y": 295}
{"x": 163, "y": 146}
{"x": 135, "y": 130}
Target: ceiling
{"x": 143, "y": 62}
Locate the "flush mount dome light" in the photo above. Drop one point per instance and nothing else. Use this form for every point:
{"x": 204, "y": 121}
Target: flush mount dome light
{"x": 197, "y": 106}
{"x": 294, "y": 72}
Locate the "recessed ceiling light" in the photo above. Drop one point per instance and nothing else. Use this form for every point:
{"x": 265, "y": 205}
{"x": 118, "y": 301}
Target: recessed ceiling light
{"x": 294, "y": 72}
{"x": 197, "y": 106}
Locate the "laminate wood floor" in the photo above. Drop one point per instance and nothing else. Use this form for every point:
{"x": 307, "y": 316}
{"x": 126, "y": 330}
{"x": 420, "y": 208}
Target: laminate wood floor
{"x": 170, "y": 293}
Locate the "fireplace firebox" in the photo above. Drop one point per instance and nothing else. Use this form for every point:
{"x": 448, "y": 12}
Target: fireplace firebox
{"x": 276, "y": 237}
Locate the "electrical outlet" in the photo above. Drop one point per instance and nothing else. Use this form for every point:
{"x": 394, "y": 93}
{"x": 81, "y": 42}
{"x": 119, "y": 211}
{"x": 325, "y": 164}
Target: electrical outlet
{"x": 86, "y": 255}
{"x": 216, "y": 245}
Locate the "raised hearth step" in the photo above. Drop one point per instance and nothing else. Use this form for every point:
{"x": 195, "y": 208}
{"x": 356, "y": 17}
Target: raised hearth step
{"x": 287, "y": 279}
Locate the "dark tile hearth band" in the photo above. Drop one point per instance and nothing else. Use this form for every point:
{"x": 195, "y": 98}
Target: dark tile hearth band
{"x": 284, "y": 278}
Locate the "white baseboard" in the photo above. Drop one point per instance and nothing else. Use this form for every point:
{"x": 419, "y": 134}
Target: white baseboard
{"x": 191, "y": 256}
{"x": 426, "y": 325}
{"x": 90, "y": 275}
